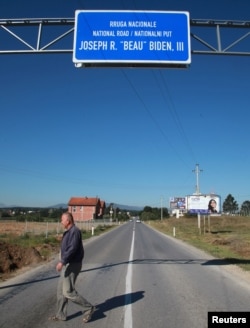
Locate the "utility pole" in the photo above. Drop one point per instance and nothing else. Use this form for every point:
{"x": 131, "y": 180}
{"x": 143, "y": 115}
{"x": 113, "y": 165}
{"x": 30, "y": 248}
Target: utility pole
{"x": 197, "y": 172}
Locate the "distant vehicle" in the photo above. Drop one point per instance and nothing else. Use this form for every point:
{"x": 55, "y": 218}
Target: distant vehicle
{"x": 138, "y": 220}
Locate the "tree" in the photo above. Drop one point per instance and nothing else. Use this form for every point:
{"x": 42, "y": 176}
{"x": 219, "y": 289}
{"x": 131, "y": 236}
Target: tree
{"x": 154, "y": 213}
{"x": 245, "y": 208}
{"x": 146, "y": 216}
{"x": 147, "y": 209}
{"x": 230, "y": 205}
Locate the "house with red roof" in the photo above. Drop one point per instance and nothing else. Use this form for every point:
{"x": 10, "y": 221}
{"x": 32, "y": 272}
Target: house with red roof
{"x": 86, "y": 208}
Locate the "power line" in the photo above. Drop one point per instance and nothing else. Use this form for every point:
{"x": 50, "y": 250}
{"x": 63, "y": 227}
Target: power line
{"x": 152, "y": 117}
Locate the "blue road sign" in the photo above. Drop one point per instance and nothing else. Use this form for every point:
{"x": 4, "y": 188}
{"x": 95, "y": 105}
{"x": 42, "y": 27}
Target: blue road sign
{"x": 131, "y": 37}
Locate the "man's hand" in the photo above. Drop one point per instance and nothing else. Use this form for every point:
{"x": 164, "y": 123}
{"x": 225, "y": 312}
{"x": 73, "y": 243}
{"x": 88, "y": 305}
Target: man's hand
{"x": 59, "y": 266}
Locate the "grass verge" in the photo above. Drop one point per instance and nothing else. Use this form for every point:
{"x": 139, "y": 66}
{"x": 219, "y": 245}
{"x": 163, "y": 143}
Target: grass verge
{"x": 225, "y": 237}
{"x": 52, "y": 240}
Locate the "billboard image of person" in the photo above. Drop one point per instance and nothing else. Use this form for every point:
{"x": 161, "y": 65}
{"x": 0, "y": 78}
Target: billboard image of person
{"x": 212, "y": 206}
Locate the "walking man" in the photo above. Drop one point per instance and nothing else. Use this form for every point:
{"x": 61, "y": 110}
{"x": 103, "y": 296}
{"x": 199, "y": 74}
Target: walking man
{"x": 70, "y": 264}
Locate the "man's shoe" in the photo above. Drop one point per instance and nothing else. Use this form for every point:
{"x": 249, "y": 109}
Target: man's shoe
{"x": 88, "y": 314}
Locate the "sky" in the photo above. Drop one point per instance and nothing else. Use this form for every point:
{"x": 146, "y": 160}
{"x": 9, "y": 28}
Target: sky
{"x": 129, "y": 136}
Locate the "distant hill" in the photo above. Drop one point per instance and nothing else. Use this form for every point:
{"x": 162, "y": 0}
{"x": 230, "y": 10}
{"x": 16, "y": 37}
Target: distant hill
{"x": 37, "y": 207}
{"x": 62, "y": 205}
{"x": 65, "y": 206}
{"x": 122, "y": 207}
{"x": 127, "y": 207}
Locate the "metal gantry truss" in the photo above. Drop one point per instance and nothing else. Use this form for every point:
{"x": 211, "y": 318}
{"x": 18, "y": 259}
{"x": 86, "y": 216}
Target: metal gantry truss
{"x": 55, "y": 35}
{"x": 18, "y": 32}
{"x": 231, "y": 29}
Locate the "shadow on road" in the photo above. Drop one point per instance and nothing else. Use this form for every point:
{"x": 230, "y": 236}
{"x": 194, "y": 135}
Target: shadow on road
{"x": 110, "y": 304}
{"x": 115, "y": 302}
{"x": 29, "y": 282}
{"x": 226, "y": 261}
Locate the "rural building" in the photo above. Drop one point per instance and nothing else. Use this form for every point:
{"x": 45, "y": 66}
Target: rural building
{"x": 86, "y": 208}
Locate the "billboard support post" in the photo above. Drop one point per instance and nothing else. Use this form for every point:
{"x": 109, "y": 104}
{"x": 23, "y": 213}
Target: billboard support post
{"x": 199, "y": 220}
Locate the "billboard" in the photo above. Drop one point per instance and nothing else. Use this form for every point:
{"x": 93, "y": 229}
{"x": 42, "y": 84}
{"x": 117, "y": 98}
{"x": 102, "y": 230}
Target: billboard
{"x": 178, "y": 203}
{"x": 127, "y": 38}
{"x": 204, "y": 204}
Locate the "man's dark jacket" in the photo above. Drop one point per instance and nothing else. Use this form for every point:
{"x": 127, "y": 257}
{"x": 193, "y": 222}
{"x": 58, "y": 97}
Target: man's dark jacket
{"x": 71, "y": 247}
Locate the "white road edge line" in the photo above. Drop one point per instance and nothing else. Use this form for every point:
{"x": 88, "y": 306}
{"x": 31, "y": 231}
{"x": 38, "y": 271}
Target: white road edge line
{"x": 128, "y": 320}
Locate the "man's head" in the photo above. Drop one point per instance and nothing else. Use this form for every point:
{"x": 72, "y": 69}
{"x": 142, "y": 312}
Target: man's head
{"x": 67, "y": 220}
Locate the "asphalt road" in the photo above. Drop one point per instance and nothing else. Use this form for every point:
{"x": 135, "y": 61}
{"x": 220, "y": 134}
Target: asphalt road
{"x": 136, "y": 277}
